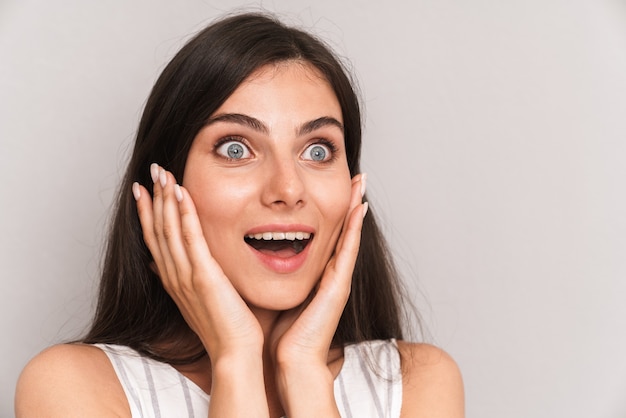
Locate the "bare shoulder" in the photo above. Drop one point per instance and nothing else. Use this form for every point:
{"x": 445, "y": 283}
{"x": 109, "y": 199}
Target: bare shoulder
{"x": 432, "y": 383}
{"x": 70, "y": 380}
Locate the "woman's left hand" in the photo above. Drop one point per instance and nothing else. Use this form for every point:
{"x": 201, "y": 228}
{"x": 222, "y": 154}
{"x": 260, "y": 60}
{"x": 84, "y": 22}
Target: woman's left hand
{"x": 302, "y": 336}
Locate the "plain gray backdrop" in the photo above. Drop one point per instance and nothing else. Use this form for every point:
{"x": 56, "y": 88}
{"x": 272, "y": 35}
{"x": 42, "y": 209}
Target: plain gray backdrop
{"x": 495, "y": 145}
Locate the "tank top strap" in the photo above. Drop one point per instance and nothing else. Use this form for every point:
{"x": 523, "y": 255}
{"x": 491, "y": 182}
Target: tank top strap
{"x": 370, "y": 381}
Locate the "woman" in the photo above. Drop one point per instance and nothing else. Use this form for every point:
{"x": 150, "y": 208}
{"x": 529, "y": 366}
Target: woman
{"x": 243, "y": 273}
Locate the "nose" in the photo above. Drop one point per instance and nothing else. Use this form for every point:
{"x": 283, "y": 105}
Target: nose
{"x": 284, "y": 185}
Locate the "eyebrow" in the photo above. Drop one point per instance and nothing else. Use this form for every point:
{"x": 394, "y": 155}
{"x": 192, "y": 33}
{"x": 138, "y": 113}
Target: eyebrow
{"x": 257, "y": 125}
{"x": 318, "y": 123}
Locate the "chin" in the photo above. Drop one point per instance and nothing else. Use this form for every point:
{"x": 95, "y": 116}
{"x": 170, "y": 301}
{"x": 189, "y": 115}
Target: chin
{"x": 282, "y": 298}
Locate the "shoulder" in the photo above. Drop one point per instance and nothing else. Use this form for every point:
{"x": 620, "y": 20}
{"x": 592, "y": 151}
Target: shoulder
{"x": 70, "y": 380}
{"x": 432, "y": 383}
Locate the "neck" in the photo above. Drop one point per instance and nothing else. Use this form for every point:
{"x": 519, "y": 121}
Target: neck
{"x": 268, "y": 320}
{"x": 200, "y": 372}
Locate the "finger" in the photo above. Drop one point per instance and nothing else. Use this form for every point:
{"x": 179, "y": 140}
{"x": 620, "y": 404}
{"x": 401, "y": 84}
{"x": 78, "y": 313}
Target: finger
{"x": 346, "y": 255}
{"x": 208, "y": 279}
{"x": 356, "y": 197}
{"x": 326, "y": 307}
{"x": 146, "y": 220}
{"x": 186, "y": 252}
{"x": 194, "y": 241}
{"x": 172, "y": 226}
{"x": 339, "y": 269}
{"x": 162, "y": 234}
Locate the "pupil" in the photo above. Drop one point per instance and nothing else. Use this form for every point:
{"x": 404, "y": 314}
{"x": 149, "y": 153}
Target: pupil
{"x": 318, "y": 153}
{"x": 235, "y": 151}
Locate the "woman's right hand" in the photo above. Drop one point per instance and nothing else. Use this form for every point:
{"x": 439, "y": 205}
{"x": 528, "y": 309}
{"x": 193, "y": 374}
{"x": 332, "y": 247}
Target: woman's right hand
{"x": 206, "y": 298}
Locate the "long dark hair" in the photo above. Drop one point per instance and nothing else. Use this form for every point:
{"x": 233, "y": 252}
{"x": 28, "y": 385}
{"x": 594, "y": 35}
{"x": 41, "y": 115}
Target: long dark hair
{"x": 133, "y": 307}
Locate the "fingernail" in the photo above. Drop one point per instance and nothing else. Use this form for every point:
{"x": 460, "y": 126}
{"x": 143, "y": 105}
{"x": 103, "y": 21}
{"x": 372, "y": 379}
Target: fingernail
{"x": 154, "y": 172}
{"x": 162, "y": 177}
{"x": 363, "y": 184}
{"x": 366, "y": 206}
{"x": 136, "y": 190}
{"x": 178, "y": 193}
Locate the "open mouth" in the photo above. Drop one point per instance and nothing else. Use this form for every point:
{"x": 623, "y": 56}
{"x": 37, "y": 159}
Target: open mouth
{"x": 280, "y": 244}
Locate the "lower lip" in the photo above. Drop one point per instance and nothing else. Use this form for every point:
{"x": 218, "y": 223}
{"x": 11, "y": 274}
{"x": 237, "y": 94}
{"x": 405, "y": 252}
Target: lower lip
{"x": 282, "y": 265}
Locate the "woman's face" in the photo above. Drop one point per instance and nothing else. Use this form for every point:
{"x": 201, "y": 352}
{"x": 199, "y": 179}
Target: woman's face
{"x": 269, "y": 177}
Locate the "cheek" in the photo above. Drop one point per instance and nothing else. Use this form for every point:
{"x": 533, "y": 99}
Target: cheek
{"x": 333, "y": 200}
{"x": 219, "y": 202}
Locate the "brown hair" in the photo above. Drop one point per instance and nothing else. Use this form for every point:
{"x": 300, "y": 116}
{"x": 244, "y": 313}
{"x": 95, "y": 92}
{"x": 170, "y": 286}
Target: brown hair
{"x": 133, "y": 307}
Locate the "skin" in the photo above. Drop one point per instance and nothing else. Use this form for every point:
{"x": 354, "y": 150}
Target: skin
{"x": 276, "y": 184}
{"x": 267, "y": 332}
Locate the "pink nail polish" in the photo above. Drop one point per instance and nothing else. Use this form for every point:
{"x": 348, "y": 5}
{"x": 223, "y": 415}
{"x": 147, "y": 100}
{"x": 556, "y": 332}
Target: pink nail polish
{"x": 178, "y": 193}
{"x": 162, "y": 177}
{"x": 154, "y": 172}
{"x": 363, "y": 184}
{"x": 136, "y": 191}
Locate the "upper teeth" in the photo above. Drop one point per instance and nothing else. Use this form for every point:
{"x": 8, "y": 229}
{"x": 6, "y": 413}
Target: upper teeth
{"x": 291, "y": 236}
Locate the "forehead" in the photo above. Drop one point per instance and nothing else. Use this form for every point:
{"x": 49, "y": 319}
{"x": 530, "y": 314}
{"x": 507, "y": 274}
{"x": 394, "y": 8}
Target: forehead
{"x": 295, "y": 89}
{"x": 299, "y": 68}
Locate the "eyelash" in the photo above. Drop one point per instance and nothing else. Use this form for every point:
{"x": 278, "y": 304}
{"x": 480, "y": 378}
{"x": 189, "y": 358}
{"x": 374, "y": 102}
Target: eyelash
{"x": 321, "y": 141}
{"x": 228, "y": 139}
{"x": 328, "y": 144}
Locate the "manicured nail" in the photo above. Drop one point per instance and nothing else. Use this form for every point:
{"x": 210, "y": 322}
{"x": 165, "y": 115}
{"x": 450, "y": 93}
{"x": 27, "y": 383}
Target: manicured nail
{"x": 366, "y": 206}
{"x": 162, "y": 177}
{"x": 178, "y": 193}
{"x": 363, "y": 184}
{"x": 136, "y": 190}
{"x": 154, "y": 172}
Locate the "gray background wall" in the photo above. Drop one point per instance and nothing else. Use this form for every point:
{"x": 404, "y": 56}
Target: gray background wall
{"x": 495, "y": 146}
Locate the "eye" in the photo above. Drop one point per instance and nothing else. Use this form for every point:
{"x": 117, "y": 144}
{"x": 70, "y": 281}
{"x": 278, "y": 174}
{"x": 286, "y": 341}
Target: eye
{"x": 317, "y": 152}
{"x": 233, "y": 150}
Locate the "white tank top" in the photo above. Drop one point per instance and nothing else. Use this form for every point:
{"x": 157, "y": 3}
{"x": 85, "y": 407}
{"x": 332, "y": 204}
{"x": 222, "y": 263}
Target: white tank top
{"x": 368, "y": 385}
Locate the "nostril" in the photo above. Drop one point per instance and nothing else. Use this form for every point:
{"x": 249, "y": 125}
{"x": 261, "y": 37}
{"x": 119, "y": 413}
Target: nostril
{"x": 284, "y": 185}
